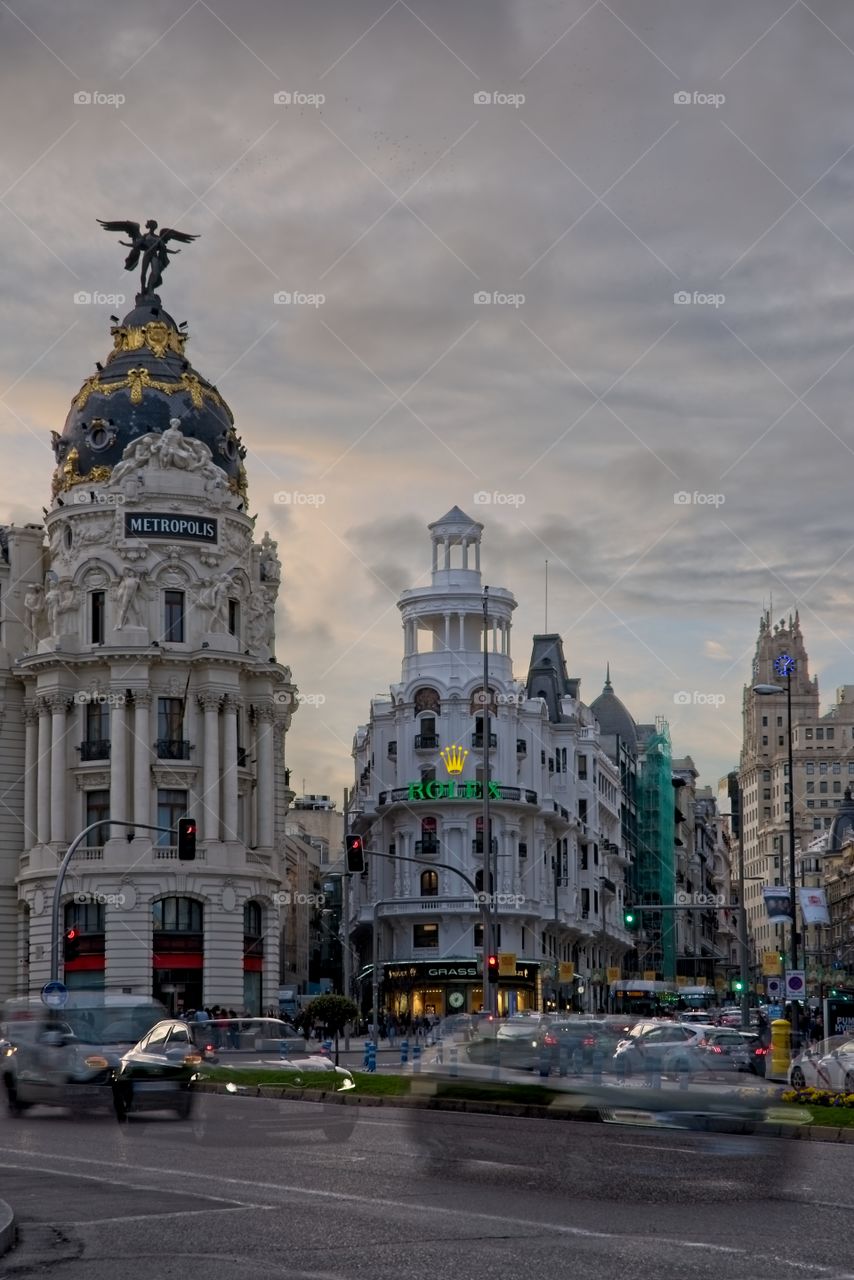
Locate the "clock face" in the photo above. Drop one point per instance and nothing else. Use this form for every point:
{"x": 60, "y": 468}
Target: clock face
{"x": 784, "y": 665}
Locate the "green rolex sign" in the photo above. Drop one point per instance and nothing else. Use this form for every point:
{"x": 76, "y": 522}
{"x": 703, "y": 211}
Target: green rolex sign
{"x": 452, "y": 790}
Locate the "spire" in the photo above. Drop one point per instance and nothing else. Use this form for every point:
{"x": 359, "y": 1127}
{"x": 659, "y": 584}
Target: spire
{"x": 608, "y": 675}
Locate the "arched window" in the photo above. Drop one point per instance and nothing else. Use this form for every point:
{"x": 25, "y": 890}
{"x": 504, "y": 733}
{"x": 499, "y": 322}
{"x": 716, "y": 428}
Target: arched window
{"x": 427, "y": 699}
{"x": 479, "y": 700}
{"x": 177, "y": 915}
{"x": 86, "y": 917}
{"x": 252, "y": 919}
{"x": 429, "y": 884}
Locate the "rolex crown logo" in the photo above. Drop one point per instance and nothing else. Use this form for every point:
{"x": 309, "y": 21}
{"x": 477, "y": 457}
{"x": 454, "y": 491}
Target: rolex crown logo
{"x": 453, "y": 758}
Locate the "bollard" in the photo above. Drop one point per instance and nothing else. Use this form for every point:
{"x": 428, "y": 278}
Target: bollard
{"x": 454, "y": 1056}
{"x": 563, "y": 1059}
{"x": 326, "y": 1048}
{"x": 416, "y": 1057}
{"x": 545, "y": 1061}
{"x": 404, "y": 1052}
{"x": 370, "y": 1063}
{"x": 598, "y": 1063}
{"x": 781, "y": 1047}
{"x": 577, "y": 1063}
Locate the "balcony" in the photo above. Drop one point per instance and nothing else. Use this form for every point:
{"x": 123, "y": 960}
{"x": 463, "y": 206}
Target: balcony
{"x": 392, "y": 750}
{"x": 521, "y": 747}
{"x": 95, "y": 749}
{"x": 477, "y": 845}
{"x": 242, "y": 759}
{"x": 169, "y": 853}
{"x": 430, "y": 846}
{"x": 426, "y": 741}
{"x": 477, "y": 741}
{"x": 172, "y": 748}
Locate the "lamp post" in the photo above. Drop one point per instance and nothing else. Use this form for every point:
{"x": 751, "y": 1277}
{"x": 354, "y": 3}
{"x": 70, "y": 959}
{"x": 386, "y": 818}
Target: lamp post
{"x": 784, "y": 666}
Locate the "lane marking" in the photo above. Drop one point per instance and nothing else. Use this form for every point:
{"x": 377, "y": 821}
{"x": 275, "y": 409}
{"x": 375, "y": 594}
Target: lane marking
{"x": 146, "y": 1217}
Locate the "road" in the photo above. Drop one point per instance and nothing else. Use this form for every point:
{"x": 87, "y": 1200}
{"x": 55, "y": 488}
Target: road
{"x": 254, "y": 1190}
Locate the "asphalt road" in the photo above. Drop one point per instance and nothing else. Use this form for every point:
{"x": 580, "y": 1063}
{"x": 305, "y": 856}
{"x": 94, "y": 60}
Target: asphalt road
{"x": 253, "y": 1189}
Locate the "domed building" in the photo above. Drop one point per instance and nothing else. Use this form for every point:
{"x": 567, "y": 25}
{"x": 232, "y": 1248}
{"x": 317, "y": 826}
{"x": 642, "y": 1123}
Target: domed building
{"x": 140, "y": 684}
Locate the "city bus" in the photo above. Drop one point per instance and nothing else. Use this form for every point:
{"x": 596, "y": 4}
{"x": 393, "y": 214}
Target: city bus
{"x": 699, "y": 997}
{"x": 634, "y": 997}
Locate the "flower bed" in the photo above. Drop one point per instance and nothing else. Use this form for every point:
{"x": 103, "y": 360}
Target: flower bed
{"x": 819, "y": 1098}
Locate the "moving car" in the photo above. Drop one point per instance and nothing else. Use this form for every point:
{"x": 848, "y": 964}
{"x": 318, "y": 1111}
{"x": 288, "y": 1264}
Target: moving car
{"x": 813, "y": 1067}
{"x": 158, "y": 1073}
{"x": 248, "y": 1035}
{"x": 66, "y": 1058}
{"x": 662, "y": 1047}
{"x": 757, "y": 1051}
{"x": 723, "y": 1049}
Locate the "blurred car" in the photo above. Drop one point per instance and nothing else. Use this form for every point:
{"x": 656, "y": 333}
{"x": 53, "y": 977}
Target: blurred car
{"x": 757, "y": 1051}
{"x": 248, "y": 1035}
{"x": 723, "y": 1049}
{"x": 812, "y": 1067}
{"x": 516, "y": 1043}
{"x": 662, "y": 1047}
{"x": 835, "y": 1067}
{"x": 705, "y": 1017}
{"x": 66, "y": 1057}
{"x": 158, "y": 1073}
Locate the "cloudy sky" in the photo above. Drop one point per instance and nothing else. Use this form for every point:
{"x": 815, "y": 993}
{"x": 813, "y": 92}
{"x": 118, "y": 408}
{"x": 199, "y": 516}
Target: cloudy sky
{"x": 658, "y": 202}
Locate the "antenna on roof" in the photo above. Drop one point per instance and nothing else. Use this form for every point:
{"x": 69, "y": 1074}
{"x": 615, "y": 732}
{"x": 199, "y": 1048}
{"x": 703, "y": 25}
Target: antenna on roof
{"x": 546, "y": 627}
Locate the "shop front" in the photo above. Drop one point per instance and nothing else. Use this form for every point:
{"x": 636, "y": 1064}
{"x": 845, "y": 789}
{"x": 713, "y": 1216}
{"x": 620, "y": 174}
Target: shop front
{"x": 424, "y": 988}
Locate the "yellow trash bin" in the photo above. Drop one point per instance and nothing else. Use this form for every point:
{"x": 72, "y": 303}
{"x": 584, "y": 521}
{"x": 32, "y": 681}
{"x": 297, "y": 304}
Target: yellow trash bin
{"x": 781, "y": 1047}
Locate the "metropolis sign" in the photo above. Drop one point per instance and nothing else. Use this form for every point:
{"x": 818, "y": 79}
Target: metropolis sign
{"x": 157, "y": 524}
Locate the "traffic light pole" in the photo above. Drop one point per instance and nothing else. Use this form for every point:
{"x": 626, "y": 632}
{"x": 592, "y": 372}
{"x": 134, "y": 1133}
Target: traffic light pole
{"x": 60, "y": 879}
{"x": 345, "y": 911}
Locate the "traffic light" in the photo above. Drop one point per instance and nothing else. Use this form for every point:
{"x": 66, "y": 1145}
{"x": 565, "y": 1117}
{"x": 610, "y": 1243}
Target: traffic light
{"x": 630, "y": 918}
{"x": 491, "y": 971}
{"x": 187, "y": 839}
{"x": 355, "y": 847}
{"x": 72, "y": 945}
{"x": 737, "y": 985}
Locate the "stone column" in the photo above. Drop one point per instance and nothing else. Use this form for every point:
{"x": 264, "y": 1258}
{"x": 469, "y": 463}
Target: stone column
{"x": 209, "y": 701}
{"x": 43, "y": 767}
{"x": 447, "y": 632}
{"x": 118, "y": 765}
{"x": 231, "y": 707}
{"x": 31, "y": 765}
{"x": 462, "y": 618}
{"x": 58, "y": 711}
{"x": 142, "y": 757}
{"x": 264, "y": 731}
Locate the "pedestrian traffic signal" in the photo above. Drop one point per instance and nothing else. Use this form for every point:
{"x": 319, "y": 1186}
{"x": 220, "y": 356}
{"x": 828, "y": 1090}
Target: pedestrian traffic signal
{"x": 492, "y": 968}
{"x": 355, "y": 847}
{"x": 187, "y": 839}
{"x": 72, "y": 945}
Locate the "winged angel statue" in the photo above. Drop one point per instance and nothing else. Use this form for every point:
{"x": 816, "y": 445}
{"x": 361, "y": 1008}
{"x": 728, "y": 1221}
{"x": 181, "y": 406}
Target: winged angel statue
{"x": 150, "y": 246}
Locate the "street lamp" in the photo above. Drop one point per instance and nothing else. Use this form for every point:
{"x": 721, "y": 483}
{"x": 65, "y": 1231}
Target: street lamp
{"x": 784, "y": 666}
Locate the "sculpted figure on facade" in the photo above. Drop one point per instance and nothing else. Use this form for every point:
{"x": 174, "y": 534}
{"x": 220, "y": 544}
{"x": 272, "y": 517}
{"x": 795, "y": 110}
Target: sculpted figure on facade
{"x": 261, "y": 621}
{"x": 213, "y": 598}
{"x": 129, "y": 601}
{"x": 270, "y": 565}
{"x": 35, "y": 606}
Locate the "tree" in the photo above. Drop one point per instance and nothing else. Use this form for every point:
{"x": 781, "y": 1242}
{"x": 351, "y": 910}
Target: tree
{"x": 331, "y": 1012}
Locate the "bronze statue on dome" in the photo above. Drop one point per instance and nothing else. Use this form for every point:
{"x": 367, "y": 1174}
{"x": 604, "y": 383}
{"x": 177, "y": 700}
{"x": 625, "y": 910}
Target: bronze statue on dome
{"x": 150, "y": 245}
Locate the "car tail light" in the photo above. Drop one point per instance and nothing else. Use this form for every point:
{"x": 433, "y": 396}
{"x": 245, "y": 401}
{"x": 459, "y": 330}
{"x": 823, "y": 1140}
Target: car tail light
{"x": 551, "y": 1041}
{"x": 96, "y": 1062}
{"x": 716, "y": 1048}
{"x": 588, "y": 1041}
{"x": 760, "y": 1052}
{"x": 193, "y": 1060}
{"x": 209, "y": 1048}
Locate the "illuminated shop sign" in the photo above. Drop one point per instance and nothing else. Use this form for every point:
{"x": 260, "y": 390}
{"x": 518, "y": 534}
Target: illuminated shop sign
{"x": 425, "y": 972}
{"x": 452, "y": 790}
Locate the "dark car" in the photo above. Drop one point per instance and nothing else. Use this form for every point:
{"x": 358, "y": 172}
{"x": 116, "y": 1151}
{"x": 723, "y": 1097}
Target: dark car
{"x": 248, "y": 1035}
{"x": 516, "y": 1044}
{"x": 757, "y": 1051}
{"x": 723, "y": 1050}
{"x": 158, "y": 1074}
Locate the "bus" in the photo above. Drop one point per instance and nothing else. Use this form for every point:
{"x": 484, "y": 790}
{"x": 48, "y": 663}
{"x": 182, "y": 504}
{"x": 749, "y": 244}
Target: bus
{"x": 634, "y": 997}
{"x": 699, "y": 997}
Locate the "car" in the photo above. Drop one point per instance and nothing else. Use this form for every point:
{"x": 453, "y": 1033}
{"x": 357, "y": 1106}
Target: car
{"x": 834, "y": 1065}
{"x": 158, "y": 1073}
{"x": 66, "y": 1057}
{"x": 758, "y": 1051}
{"x": 516, "y": 1043}
{"x": 661, "y": 1046}
{"x": 248, "y": 1035}
{"x": 722, "y": 1049}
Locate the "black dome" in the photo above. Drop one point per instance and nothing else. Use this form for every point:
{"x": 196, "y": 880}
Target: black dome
{"x": 613, "y": 717}
{"x": 146, "y": 381}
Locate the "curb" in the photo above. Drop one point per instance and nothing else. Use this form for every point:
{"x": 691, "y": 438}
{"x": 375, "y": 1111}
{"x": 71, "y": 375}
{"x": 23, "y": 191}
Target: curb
{"x": 8, "y": 1227}
{"x": 479, "y": 1106}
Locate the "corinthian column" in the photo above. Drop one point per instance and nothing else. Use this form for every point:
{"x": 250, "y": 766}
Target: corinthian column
{"x": 229, "y": 768}
{"x": 43, "y": 773}
{"x": 264, "y": 738}
{"x": 141, "y": 755}
{"x": 58, "y": 709}
{"x": 31, "y": 762}
{"x": 210, "y": 702}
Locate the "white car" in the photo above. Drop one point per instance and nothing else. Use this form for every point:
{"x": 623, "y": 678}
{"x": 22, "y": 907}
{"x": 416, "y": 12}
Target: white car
{"x": 829, "y": 1064}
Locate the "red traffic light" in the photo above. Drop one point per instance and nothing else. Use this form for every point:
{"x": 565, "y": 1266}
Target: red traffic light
{"x": 186, "y": 839}
{"x": 355, "y": 849}
{"x": 492, "y": 968}
{"x": 71, "y": 935}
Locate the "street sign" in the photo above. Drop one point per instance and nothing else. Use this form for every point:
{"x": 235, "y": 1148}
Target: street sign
{"x": 566, "y": 971}
{"x": 770, "y": 964}
{"x": 55, "y": 995}
{"x": 774, "y": 988}
{"x": 613, "y": 974}
{"x": 650, "y": 975}
{"x": 507, "y": 964}
{"x": 795, "y": 984}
